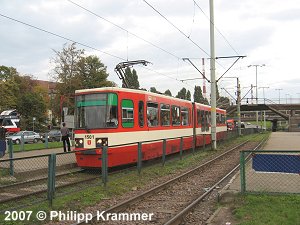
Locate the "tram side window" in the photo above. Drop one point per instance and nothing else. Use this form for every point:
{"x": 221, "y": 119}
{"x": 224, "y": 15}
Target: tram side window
{"x": 203, "y": 124}
{"x": 198, "y": 117}
{"x": 223, "y": 119}
{"x": 208, "y": 119}
{"x": 152, "y": 114}
{"x": 7, "y": 122}
{"x": 217, "y": 118}
{"x": 164, "y": 115}
{"x": 141, "y": 114}
{"x": 175, "y": 115}
{"x": 185, "y": 116}
{"x": 112, "y": 119}
{"x": 127, "y": 113}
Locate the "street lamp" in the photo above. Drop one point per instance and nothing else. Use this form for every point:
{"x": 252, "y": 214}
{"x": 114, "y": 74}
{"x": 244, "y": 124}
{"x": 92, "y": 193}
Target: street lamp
{"x": 238, "y": 103}
{"x": 279, "y": 89}
{"x": 264, "y": 103}
{"x": 33, "y": 120}
{"x": 256, "y": 88}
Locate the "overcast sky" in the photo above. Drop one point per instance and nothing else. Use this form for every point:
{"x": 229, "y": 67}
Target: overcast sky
{"x": 266, "y": 31}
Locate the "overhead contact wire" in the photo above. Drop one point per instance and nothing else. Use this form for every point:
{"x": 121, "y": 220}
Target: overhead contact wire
{"x": 118, "y": 26}
{"x": 176, "y": 28}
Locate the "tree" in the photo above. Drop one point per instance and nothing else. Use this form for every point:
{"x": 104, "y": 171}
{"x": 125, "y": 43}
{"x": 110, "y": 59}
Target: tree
{"x": 132, "y": 78}
{"x": 73, "y": 70}
{"x": 182, "y": 94}
{"x": 7, "y": 73}
{"x": 198, "y": 97}
{"x": 32, "y": 105}
{"x": 153, "y": 89}
{"x": 92, "y": 73}
{"x": 168, "y": 93}
{"x": 9, "y": 89}
{"x": 188, "y": 95}
{"x": 223, "y": 102}
{"x": 22, "y": 93}
{"x": 66, "y": 68}
{"x": 217, "y": 92}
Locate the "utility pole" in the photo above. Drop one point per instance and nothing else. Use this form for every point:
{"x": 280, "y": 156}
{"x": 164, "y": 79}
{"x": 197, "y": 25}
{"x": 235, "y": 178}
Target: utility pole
{"x": 213, "y": 76}
{"x": 238, "y": 102}
{"x": 279, "y": 89}
{"x": 256, "y": 88}
{"x": 204, "y": 83}
{"x": 251, "y": 94}
{"x": 264, "y": 103}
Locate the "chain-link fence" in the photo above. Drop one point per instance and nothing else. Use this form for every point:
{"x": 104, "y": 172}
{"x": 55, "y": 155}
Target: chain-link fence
{"x": 40, "y": 177}
{"x": 270, "y": 171}
{"x": 25, "y": 180}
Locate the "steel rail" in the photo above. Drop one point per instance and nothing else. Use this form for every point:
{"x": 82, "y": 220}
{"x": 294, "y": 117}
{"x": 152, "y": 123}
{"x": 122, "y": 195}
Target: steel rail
{"x": 78, "y": 170}
{"x": 178, "y": 218}
{"x": 58, "y": 186}
{"x": 124, "y": 204}
{"x": 43, "y": 190}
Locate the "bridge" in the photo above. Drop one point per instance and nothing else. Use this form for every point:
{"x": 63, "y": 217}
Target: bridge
{"x": 286, "y": 111}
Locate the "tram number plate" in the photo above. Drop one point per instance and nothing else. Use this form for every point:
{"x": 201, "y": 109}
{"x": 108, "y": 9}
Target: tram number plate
{"x": 89, "y": 136}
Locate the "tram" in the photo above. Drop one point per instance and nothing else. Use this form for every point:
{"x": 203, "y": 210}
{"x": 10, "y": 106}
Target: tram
{"x": 10, "y": 120}
{"x": 119, "y": 117}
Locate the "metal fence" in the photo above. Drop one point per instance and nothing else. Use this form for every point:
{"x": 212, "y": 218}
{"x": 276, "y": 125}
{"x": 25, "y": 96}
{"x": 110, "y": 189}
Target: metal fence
{"x": 44, "y": 143}
{"x": 51, "y": 175}
{"x": 270, "y": 171}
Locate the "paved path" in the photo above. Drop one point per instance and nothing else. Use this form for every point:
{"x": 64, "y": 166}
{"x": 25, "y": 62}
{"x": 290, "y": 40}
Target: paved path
{"x": 38, "y": 163}
{"x": 35, "y": 152}
{"x": 261, "y": 181}
{"x": 283, "y": 141}
{"x": 272, "y": 182}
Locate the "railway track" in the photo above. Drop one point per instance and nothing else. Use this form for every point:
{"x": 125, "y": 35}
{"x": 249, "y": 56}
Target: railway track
{"x": 172, "y": 201}
{"x": 36, "y": 186}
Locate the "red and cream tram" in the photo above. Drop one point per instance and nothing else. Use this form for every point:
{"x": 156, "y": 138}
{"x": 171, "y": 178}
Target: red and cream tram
{"x": 117, "y": 116}
{"x": 10, "y": 120}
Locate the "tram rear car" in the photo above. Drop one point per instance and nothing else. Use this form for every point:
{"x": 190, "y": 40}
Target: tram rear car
{"x": 115, "y": 117}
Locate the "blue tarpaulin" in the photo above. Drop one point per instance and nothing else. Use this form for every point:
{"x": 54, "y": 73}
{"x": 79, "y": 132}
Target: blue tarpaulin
{"x": 276, "y": 163}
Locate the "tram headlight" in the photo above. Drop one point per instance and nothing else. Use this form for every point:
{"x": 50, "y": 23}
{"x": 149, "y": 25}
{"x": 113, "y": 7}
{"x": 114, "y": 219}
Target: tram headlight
{"x": 79, "y": 142}
{"x": 101, "y": 142}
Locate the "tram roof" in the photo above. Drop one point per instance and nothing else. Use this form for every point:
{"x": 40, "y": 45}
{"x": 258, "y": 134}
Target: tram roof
{"x": 116, "y": 89}
{"x": 129, "y": 90}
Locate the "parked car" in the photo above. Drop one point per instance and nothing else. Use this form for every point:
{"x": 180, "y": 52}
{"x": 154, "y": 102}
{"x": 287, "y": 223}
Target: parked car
{"x": 53, "y": 135}
{"x": 29, "y": 136}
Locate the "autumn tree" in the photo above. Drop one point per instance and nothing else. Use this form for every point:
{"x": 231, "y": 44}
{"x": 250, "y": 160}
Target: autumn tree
{"x": 8, "y": 88}
{"x": 22, "y": 93}
{"x": 92, "y": 73}
{"x": 73, "y": 70}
